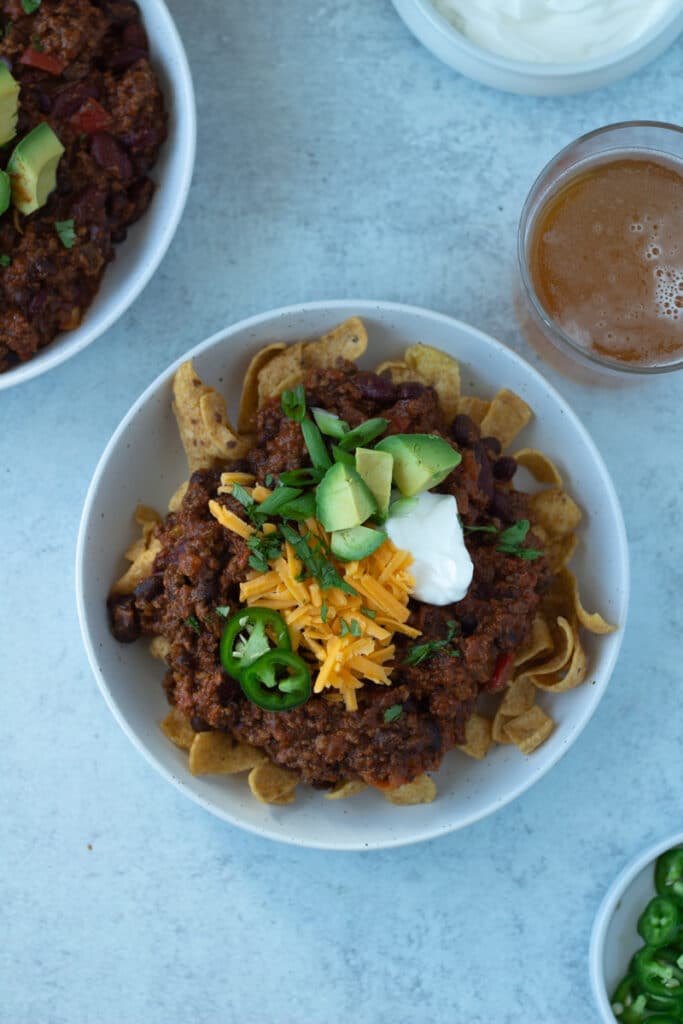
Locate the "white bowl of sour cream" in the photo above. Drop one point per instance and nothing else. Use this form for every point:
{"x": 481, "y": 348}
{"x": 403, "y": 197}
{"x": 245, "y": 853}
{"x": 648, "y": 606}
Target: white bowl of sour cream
{"x": 544, "y": 47}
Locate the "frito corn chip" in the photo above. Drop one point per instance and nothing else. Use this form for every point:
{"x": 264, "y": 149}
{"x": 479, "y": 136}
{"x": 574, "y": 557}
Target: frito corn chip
{"x": 160, "y": 648}
{"x": 518, "y": 698}
{"x": 539, "y": 465}
{"x": 205, "y": 430}
{"x": 498, "y": 734}
{"x": 478, "y": 738}
{"x": 139, "y": 570}
{"x": 178, "y": 496}
{"x": 593, "y": 621}
{"x": 529, "y": 730}
{"x": 475, "y": 408}
{"x": 540, "y": 642}
{"x": 440, "y": 371}
{"x": 507, "y": 416}
{"x": 177, "y": 729}
{"x": 560, "y": 550}
{"x": 565, "y": 638}
{"x": 217, "y": 753}
{"x": 249, "y": 403}
{"x": 420, "y": 791}
{"x": 397, "y": 372}
{"x": 346, "y": 341}
{"x": 271, "y": 784}
{"x": 555, "y": 511}
{"x": 345, "y": 789}
{"x": 565, "y": 678}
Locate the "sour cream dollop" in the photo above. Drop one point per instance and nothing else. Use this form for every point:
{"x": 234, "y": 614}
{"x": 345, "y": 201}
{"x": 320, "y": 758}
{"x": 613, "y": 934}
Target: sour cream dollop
{"x": 428, "y": 527}
{"x": 553, "y": 31}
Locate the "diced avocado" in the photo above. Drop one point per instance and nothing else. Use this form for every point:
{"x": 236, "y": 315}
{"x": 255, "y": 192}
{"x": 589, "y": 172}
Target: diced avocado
{"x": 358, "y": 542}
{"x": 9, "y": 105}
{"x": 5, "y": 191}
{"x": 342, "y": 499}
{"x": 330, "y": 424}
{"x": 421, "y": 461}
{"x": 32, "y": 168}
{"x": 376, "y": 469}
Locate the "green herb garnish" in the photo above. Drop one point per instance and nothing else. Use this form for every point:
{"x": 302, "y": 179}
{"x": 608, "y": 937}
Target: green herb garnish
{"x": 30, "y": 6}
{"x": 238, "y": 492}
{"x": 66, "y": 231}
{"x": 270, "y": 480}
{"x": 306, "y": 477}
{"x": 193, "y": 622}
{"x": 421, "y": 652}
{"x": 393, "y": 713}
{"x": 510, "y": 540}
{"x": 264, "y": 548}
{"x": 317, "y": 448}
{"x": 293, "y": 403}
{"x": 323, "y": 612}
{"x": 363, "y": 434}
{"x": 5, "y": 260}
{"x": 368, "y": 612}
{"x": 315, "y": 561}
{"x": 355, "y": 628}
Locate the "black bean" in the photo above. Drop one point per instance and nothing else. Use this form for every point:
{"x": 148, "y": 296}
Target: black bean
{"x": 504, "y": 468}
{"x": 464, "y": 431}
{"x": 485, "y": 478}
{"x": 124, "y": 619}
{"x": 468, "y": 624}
{"x": 199, "y": 725}
{"x": 149, "y": 588}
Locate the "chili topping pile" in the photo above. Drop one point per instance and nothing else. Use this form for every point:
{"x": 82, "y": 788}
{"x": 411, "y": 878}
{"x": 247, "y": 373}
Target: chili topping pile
{"x": 302, "y": 644}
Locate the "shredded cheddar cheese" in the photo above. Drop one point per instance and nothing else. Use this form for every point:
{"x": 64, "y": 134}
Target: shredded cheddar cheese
{"x": 349, "y": 634}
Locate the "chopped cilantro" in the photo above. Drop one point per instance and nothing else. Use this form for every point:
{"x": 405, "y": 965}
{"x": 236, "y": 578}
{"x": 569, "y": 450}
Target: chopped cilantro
{"x": 30, "y": 6}
{"x": 344, "y": 628}
{"x": 314, "y": 559}
{"x": 36, "y": 45}
{"x": 66, "y": 231}
{"x": 5, "y": 260}
{"x": 355, "y": 628}
{"x": 323, "y": 611}
{"x": 224, "y": 611}
{"x": 244, "y": 498}
{"x": 421, "y": 652}
{"x": 368, "y": 612}
{"x": 270, "y": 480}
{"x": 264, "y": 549}
{"x": 393, "y": 713}
{"x": 511, "y": 540}
{"x": 193, "y": 622}
{"x": 293, "y": 403}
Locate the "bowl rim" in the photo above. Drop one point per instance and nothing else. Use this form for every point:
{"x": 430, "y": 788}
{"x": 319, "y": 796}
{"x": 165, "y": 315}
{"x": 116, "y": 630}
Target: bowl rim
{"x": 183, "y": 91}
{"x": 605, "y": 913}
{"x": 550, "y": 327}
{"x": 360, "y": 307}
{"x": 535, "y": 69}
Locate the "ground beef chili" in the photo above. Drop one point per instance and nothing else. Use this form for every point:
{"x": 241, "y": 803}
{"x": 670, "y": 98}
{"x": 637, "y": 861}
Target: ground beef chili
{"x": 102, "y": 99}
{"x": 201, "y": 565}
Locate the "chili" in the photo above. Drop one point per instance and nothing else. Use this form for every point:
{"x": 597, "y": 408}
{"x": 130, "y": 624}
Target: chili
{"x": 245, "y": 639}
{"x": 501, "y": 672}
{"x": 260, "y": 682}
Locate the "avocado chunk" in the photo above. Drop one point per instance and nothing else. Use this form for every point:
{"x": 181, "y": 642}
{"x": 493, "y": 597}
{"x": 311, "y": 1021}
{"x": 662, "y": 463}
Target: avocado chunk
{"x": 376, "y": 470}
{"x": 9, "y": 105}
{"x": 5, "y": 192}
{"x": 342, "y": 499}
{"x": 32, "y": 168}
{"x": 358, "y": 542}
{"x": 421, "y": 461}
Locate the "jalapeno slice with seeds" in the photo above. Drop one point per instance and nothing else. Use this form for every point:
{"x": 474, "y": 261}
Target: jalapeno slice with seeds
{"x": 659, "y": 971}
{"x": 277, "y": 681}
{"x": 248, "y": 635}
{"x": 669, "y": 876}
{"x": 659, "y": 922}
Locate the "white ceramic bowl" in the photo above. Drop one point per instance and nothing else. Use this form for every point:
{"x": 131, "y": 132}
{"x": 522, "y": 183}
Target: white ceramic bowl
{"x": 139, "y": 256}
{"x": 144, "y": 462}
{"x": 615, "y": 939}
{"x": 529, "y": 77}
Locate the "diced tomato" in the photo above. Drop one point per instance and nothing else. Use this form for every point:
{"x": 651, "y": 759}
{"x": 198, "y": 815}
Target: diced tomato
{"x": 91, "y": 118}
{"x": 42, "y": 61}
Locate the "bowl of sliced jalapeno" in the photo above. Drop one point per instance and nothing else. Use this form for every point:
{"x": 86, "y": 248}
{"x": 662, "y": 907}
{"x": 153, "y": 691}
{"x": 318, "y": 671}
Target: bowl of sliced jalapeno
{"x": 636, "y": 957}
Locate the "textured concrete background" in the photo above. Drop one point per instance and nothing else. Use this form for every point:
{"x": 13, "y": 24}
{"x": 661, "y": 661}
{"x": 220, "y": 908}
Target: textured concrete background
{"x": 336, "y": 158}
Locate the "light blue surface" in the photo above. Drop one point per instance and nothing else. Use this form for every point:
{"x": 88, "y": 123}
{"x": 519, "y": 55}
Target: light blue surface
{"x": 336, "y": 158}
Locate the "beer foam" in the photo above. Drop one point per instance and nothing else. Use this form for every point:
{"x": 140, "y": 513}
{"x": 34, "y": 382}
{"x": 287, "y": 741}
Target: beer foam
{"x": 669, "y": 292}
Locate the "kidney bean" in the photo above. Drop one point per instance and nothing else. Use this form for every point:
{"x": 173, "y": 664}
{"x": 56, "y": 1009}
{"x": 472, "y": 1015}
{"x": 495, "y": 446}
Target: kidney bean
{"x": 411, "y": 389}
{"x": 120, "y": 10}
{"x": 504, "y": 468}
{"x": 464, "y": 431}
{"x": 88, "y": 205}
{"x": 71, "y": 98}
{"x": 149, "y": 588}
{"x": 377, "y": 388}
{"x": 135, "y": 37}
{"x": 124, "y": 619}
{"x": 110, "y": 154}
{"x": 493, "y": 444}
{"x": 124, "y": 58}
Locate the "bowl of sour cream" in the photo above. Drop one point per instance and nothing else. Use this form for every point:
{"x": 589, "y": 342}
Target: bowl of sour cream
{"x": 544, "y": 47}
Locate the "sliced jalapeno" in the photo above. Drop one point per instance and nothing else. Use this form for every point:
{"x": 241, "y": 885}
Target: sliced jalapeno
{"x": 659, "y": 971}
{"x": 245, "y": 638}
{"x": 659, "y": 922}
{"x": 277, "y": 681}
{"x": 669, "y": 876}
